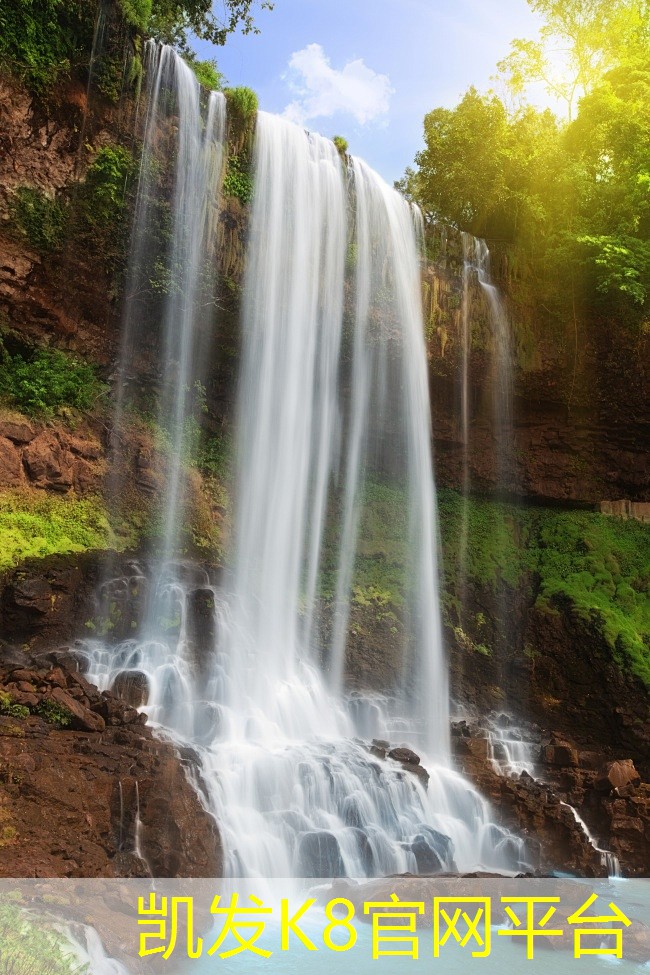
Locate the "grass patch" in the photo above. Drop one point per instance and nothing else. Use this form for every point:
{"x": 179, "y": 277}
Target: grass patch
{"x": 28, "y": 948}
{"x": 33, "y": 525}
{"x": 599, "y": 563}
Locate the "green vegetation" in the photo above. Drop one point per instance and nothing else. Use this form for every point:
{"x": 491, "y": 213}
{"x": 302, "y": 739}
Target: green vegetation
{"x": 242, "y": 104}
{"x": 43, "y": 40}
{"x": 600, "y": 565}
{"x": 47, "y": 380}
{"x": 207, "y": 73}
{"x": 341, "y": 144}
{"x": 380, "y": 568}
{"x": 172, "y": 20}
{"x": 597, "y": 565}
{"x": 33, "y": 524}
{"x": 10, "y": 708}
{"x": 54, "y": 713}
{"x": 42, "y": 219}
{"x": 568, "y": 198}
{"x": 105, "y": 187}
{"x": 238, "y": 181}
{"x": 28, "y": 947}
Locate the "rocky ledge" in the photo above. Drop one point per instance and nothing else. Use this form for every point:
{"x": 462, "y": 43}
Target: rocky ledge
{"x": 116, "y": 800}
{"x": 611, "y": 801}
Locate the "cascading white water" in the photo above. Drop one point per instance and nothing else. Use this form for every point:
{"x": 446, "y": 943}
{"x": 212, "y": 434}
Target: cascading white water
{"x": 607, "y": 859}
{"x": 333, "y": 393}
{"x": 502, "y": 359}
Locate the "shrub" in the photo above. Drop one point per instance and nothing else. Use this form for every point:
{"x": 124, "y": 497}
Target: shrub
{"x": 137, "y": 13}
{"x": 10, "y": 708}
{"x": 207, "y": 74}
{"x": 47, "y": 380}
{"x": 41, "y": 219}
{"x": 54, "y": 713}
{"x": 40, "y": 38}
{"x": 237, "y": 181}
{"x": 341, "y": 144}
{"x": 242, "y": 103}
{"x": 106, "y": 184}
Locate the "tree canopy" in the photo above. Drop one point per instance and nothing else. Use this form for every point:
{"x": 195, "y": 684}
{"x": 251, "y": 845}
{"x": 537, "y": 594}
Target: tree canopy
{"x": 577, "y": 191}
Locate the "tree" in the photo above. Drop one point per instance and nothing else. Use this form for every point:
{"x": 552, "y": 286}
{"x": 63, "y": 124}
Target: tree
{"x": 172, "y": 20}
{"x": 580, "y": 40}
{"x": 483, "y": 169}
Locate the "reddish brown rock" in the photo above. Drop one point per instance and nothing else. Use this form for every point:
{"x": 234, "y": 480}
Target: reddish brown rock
{"x": 88, "y": 449}
{"x": 17, "y": 429}
{"x": 74, "y": 796}
{"x": 617, "y": 775}
{"x": 132, "y": 686}
{"x": 47, "y": 464}
{"x": 561, "y": 753}
{"x": 11, "y": 470}
{"x": 82, "y": 717}
{"x": 85, "y": 476}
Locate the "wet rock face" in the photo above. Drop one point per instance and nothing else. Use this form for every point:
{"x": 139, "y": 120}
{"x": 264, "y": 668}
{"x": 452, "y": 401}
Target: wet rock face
{"x": 609, "y": 797}
{"x": 132, "y": 686}
{"x": 319, "y": 856}
{"x": 97, "y": 781}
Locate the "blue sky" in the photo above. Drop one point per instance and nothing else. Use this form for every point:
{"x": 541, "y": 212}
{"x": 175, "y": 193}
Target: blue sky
{"x": 370, "y": 69}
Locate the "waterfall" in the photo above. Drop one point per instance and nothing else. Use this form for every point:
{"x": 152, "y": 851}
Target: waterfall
{"x": 502, "y": 386}
{"x": 333, "y": 400}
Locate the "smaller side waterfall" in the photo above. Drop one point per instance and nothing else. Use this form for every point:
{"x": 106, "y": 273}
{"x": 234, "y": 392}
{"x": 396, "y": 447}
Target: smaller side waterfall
{"x": 608, "y": 859}
{"x": 501, "y": 380}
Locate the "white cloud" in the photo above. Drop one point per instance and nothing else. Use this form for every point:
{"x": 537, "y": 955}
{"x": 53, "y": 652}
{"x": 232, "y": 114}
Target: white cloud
{"x": 321, "y": 91}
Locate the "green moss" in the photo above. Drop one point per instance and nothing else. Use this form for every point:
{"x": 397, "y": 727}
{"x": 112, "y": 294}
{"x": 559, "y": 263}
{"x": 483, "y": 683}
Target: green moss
{"x": 35, "y": 525}
{"x": 380, "y": 568}
{"x": 41, "y": 219}
{"x": 598, "y": 564}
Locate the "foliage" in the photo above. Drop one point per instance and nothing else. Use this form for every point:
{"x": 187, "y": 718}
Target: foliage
{"x": 39, "y": 39}
{"x": 137, "y": 13}
{"x": 238, "y": 181}
{"x": 242, "y": 103}
{"x": 172, "y": 20}
{"x": 28, "y": 947}
{"x": 207, "y": 73}
{"x": 42, "y": 219}
{"x": 341, "y": 144}
{"x": 33, "y": 525}
{"x": 106, "y": 184}
{"x": 601, "y": 565}
{"x": 53, "y": 712}
{"x": 47, "y": 380}
{"x": 10, "y": 708}
{"x": 589, "y": 37}
{"x": 568, "y": 202}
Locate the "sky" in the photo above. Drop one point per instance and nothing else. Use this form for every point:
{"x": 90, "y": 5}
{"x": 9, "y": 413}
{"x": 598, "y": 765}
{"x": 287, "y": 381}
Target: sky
{"x": 370, "y": 70}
